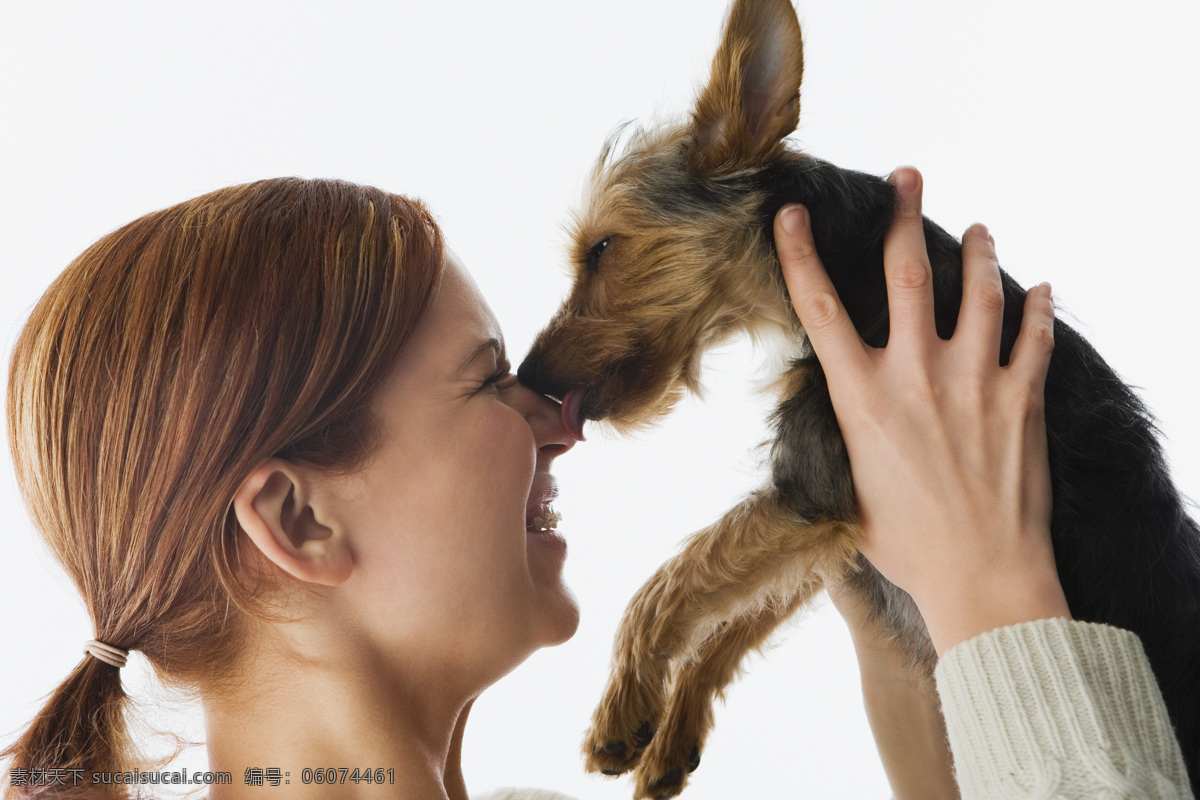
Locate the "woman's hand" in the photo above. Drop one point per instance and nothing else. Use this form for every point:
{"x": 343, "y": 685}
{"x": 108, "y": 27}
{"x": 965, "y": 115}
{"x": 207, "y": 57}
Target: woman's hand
{"x": 947, "y": 448}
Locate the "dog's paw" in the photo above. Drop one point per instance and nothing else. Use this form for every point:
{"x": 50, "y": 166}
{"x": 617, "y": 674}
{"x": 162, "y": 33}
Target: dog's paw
{"x": 674, "y": 754}
{"x": 627, "y": 717}
{"x": 664, "y": 770}
{"x": 616, "y": 752}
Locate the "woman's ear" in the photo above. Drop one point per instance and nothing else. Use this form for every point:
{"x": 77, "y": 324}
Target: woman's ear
{"x": 275, "y": 507}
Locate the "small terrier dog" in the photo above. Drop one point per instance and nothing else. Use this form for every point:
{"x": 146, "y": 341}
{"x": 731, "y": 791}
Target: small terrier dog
{"x": 673, "y": 255}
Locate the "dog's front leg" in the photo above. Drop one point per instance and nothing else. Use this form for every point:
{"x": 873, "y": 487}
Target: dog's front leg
{"x": 674, "y": 752}
{"x": 758, "y": 556}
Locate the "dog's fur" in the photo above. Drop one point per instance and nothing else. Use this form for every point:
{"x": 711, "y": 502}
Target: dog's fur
{"x": 673, "y": 255}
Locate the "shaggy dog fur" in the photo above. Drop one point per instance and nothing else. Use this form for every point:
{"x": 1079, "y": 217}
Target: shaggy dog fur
{"x": 673, "y": 255}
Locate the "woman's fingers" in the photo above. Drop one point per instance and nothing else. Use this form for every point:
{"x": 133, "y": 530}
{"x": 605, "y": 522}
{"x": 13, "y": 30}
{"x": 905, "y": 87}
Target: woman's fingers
{"x": 814, "y": 298}
{"x": 906, "y": 264}
{"x": 982, "y": 313}
{"x": 1035, "y": 341}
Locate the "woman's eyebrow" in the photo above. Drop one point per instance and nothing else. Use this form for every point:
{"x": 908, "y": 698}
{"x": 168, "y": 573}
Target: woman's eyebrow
{"x": 492, "y": 344}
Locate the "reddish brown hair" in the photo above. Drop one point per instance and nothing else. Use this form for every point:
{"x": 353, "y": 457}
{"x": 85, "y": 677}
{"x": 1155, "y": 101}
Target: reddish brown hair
{"x": 157, "y": 371}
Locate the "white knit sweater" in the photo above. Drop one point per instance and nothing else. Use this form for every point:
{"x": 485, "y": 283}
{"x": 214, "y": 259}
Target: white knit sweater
{"x": 522, "y": 794}
{"x": 1058, "y": 709}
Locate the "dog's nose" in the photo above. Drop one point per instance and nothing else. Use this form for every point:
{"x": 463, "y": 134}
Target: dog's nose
{"x": 527, "y": 373}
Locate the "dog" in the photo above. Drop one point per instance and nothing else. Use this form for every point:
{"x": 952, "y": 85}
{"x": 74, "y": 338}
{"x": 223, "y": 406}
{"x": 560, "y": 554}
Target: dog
{"x": 673, "y": 254}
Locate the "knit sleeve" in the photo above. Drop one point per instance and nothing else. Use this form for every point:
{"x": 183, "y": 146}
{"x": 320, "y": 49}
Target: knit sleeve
{"x": 1058, "y": 709}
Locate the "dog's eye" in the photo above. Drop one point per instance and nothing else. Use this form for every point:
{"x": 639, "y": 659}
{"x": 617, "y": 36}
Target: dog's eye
{"x": 593, "y": 256}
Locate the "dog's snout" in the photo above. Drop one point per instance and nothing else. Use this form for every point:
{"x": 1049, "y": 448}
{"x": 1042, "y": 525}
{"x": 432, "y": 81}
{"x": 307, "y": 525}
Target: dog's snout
{"x": 529, "y": 374}
{"x": 534, "y": 374}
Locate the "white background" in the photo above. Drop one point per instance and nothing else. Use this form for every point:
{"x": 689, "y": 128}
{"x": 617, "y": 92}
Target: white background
{"x": 1065, "y": 126}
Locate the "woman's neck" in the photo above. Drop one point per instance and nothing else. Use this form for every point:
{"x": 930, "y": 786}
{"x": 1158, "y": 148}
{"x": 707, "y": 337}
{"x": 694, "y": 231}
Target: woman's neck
{"x": 301, "y": 724}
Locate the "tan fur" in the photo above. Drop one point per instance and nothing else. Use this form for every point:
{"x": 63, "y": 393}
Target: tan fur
{"x": 689, "y": 627}
{"x": 632, "y": 310}
{"x": 661, "y": 275}
{"x": 727, "y": 136}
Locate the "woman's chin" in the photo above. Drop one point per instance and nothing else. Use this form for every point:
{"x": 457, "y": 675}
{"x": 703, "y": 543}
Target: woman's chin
{"x": 558, "y": 610}
{"x": 559, "y": 615}
{"x": 570, "y": 622}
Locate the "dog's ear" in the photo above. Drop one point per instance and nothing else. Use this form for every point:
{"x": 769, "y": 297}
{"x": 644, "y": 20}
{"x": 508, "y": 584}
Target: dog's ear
{"x": 752, "y": 99}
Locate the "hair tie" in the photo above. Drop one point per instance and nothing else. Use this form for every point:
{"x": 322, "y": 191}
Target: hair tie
{"x": 106, "y": 653}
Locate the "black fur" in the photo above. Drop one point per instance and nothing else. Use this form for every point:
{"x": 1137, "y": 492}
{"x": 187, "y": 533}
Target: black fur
{"x": 1128, "y": 554}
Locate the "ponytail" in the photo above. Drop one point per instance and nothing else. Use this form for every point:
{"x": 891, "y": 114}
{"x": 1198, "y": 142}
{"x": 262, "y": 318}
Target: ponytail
{"x": 80, "y": 730}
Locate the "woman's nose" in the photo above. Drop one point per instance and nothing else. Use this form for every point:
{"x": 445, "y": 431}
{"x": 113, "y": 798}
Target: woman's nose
{"x": 545, "y": 419}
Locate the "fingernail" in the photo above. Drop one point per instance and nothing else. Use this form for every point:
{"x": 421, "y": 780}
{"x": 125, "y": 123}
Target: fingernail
{"x": 794, "y": 218}
{"x": 1046, "y": 292}
{"x": 980, "y": 231}
{"x": 905, "y": 179}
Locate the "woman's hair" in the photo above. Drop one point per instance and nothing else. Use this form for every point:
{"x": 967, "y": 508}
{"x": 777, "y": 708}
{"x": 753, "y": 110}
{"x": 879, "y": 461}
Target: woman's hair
{"x": 165, "y": 364}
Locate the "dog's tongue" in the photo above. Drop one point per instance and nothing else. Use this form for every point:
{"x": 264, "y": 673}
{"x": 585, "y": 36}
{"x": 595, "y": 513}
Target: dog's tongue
{"x": 572, "y": 413}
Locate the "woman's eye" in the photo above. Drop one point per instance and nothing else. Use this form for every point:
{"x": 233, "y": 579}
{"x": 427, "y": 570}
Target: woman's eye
{"x": 498, "y": 378}
{"x": 593, "y": 256}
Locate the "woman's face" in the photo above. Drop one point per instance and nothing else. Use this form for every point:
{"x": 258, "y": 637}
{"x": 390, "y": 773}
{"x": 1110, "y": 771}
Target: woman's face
{"x": 448, "y": 568}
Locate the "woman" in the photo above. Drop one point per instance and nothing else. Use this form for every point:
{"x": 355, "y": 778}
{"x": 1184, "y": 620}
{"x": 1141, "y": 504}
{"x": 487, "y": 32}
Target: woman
{"x": 272, "y": 436}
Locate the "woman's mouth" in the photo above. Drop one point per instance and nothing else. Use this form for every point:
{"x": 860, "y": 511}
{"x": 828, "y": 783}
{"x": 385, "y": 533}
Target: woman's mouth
{"x": 539, "y": 514}
{"x": 547, "y": 522}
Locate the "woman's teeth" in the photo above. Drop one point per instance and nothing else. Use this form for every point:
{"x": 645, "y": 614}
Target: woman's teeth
{"x": 547, "y": 523}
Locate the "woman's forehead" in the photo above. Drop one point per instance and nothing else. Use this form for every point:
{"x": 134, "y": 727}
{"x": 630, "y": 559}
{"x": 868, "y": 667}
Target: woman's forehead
{"x": 466, "y": 301}
{"x": 457, "y": 325}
